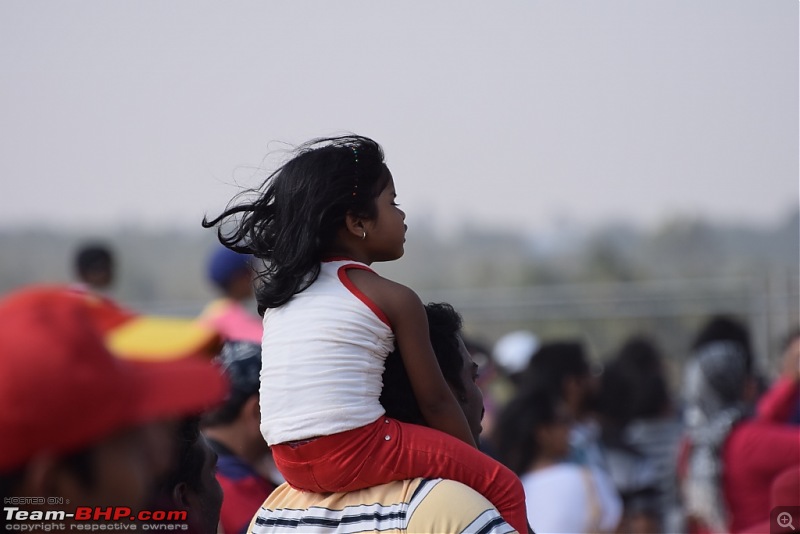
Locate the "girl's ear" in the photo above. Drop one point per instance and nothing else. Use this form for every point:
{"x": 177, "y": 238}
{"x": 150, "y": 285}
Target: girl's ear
{"x": 355, "y": 225}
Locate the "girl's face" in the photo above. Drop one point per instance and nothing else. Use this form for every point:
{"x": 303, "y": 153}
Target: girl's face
{"x": 386, "y": 233}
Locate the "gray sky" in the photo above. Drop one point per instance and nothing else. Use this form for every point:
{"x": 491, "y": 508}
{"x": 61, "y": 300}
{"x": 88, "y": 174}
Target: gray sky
{"x": 522, "y": 115}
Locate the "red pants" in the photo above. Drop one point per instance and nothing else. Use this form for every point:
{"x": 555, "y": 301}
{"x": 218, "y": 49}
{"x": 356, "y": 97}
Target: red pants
{"x": 388, "y": 450}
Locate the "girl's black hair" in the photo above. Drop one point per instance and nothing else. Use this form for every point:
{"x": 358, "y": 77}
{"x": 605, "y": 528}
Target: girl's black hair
{"x": 295, "y": 216}
{"x": 514, "y": 437}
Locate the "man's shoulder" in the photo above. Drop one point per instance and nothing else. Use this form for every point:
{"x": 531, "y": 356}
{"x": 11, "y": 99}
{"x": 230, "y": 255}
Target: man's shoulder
{"x": 451, "y": 506}
{"x": 416, "y": 505}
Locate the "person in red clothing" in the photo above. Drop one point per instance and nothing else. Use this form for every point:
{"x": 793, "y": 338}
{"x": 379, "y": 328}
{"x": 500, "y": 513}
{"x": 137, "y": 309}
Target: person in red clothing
{"x": 245, "y": 469}
{"x": 231, "y": 274}
{"x": 782, "y": 401}
{"x": 730, "y": 457}
{"x": 784, "y": 499}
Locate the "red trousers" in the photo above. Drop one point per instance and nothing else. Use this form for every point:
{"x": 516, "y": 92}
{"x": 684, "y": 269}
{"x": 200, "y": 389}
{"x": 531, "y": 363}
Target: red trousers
{"x": 388, "y": 450}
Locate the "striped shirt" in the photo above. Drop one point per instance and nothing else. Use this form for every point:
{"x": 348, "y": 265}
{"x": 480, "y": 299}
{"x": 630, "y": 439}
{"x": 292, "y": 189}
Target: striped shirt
{"x": 409, "y": 506}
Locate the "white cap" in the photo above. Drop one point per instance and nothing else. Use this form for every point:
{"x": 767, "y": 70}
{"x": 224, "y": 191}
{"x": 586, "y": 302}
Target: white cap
{"x": 513, "y": 351}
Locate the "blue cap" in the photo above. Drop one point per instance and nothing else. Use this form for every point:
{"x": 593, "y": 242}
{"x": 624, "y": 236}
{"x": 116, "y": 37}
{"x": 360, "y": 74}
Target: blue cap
{"x": 224, "y": 264}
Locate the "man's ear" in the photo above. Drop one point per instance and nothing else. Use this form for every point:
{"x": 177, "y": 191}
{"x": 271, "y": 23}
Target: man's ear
{"x": 180, "y": 495}
{"x": 356, "y": 226}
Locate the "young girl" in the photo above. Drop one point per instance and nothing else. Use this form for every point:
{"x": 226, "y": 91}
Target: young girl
{"x": 318, "y": 222}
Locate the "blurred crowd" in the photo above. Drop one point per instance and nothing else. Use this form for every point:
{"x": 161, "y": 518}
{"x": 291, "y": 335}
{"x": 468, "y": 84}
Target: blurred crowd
{"x": 101, "y": 406}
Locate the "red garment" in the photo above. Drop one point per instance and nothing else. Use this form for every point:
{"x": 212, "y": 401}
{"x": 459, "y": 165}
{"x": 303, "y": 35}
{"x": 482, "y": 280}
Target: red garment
{"x": 785, "y": 491}
{"x": 754, "y": 453}
{"x": 780, "y": 402}
{"x": 388, "y": 450}
{"x": 757, "y": 451}
{"x": 242, "y": 499}
{"x": 244, "y": 490}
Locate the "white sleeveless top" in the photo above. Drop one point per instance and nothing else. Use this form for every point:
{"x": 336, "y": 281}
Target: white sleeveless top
{"x": 322, "y": 359}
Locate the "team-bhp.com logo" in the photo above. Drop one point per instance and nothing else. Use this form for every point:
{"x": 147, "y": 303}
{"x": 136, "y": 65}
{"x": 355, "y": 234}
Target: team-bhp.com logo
{"x": 93, "y": 519}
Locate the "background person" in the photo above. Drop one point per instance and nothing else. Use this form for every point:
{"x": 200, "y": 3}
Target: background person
{"x": 94, "y": 267}
{"x": 561, "y": 370}
{"x": 245, "y": 469}
{"x": 78, "y": 421}
{"x": 532, "y": 439}
{"x": 782, "y": 400}
{"x": 729, "y": 459}
{"x": 231, "y": 274}
{"x": 641, "y": 436}
{"x": 191, "y": 485}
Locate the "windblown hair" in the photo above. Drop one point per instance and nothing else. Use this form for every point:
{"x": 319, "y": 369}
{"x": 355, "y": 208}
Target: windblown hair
{"x": 514, "y": 437}
{"x": 297, "y": 211}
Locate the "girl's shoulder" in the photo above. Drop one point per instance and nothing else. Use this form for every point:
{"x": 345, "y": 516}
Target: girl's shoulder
{"x": 394, "y": 299}
{"x": 366, "y": 279}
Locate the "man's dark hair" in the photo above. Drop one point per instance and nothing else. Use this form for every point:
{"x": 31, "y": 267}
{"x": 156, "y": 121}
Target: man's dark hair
{"x": 397, "y": 397}
{"x": 189, "y": 458}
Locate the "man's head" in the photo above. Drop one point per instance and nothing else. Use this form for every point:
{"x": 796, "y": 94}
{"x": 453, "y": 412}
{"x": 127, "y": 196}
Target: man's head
{"x": 458, "y": 369}
{"x": 94, "y": 265}
{"x": 192, "y": 485}
{"x": 77, "y": 420}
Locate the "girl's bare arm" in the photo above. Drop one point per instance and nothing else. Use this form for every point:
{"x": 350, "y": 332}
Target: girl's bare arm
{"x": 408, "y": 319}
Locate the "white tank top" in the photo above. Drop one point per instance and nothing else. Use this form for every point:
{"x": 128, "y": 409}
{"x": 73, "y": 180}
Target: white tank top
{"x": 322, "y": 359}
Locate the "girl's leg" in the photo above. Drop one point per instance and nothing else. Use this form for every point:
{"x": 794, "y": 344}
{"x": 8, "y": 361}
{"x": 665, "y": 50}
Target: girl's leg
{"x": 388, "y": 450}
{"x": 424, "y": 452}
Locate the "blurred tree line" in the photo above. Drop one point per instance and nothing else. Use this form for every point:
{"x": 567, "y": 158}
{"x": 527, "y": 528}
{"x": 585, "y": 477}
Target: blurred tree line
{"x": 601, "y": 284}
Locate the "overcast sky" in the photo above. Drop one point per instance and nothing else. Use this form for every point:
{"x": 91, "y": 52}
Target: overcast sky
{"x": 519, "y": 115}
